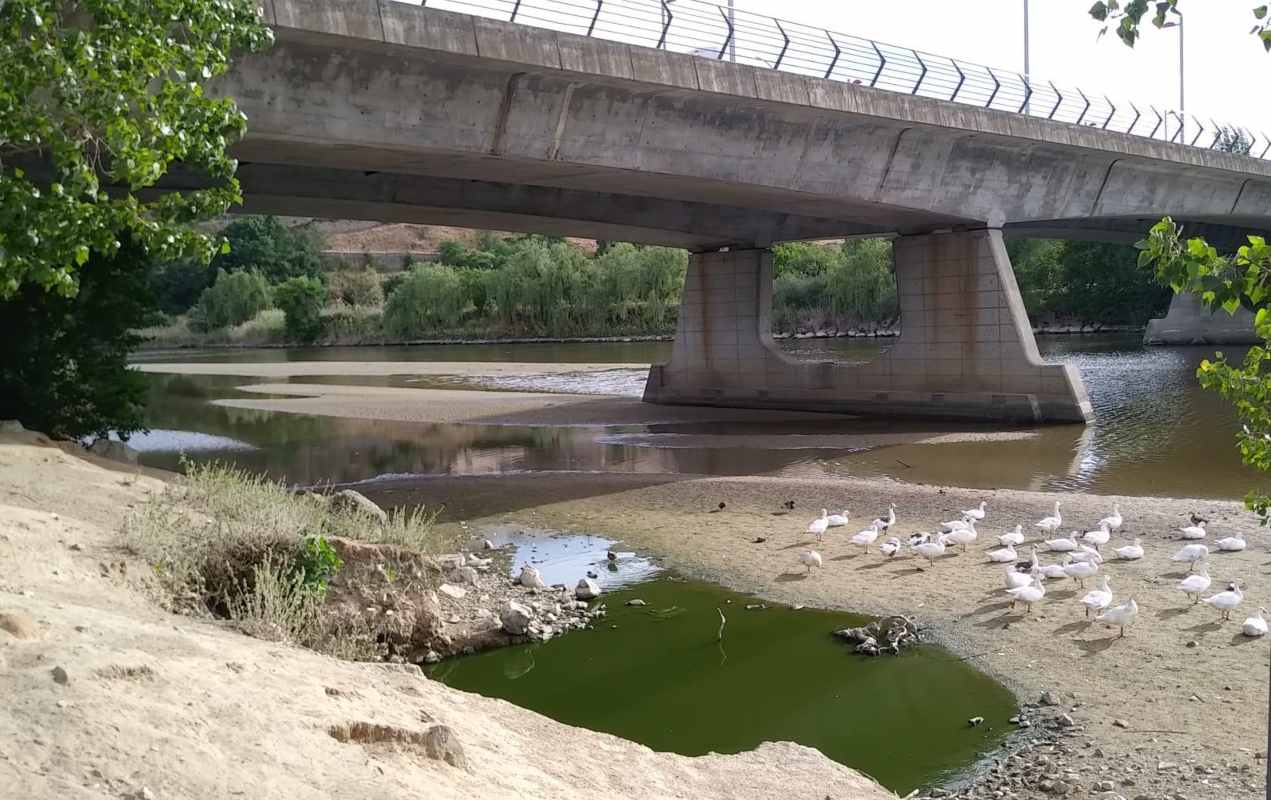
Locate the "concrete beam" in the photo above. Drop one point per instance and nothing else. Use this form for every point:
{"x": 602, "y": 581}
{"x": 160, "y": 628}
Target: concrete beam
{"x": 1189, "y": 322}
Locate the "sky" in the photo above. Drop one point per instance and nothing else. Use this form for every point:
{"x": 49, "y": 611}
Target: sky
{"x": 1227, "y": 72}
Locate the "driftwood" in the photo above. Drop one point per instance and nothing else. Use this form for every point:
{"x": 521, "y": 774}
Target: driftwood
{"x": 882, "y": 636}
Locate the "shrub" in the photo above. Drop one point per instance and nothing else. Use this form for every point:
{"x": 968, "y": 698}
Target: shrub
{"x": 233, "y": 299}
{"x": 430, "y": 298}
{"x": 64, "y": 360}
{"x": 178, "y": 284}
{"x": 301, "y": 300}
{"x": 356, "y": 287}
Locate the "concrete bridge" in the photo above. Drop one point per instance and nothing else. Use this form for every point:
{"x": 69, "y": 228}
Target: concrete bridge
{"x": 374, "y": 109}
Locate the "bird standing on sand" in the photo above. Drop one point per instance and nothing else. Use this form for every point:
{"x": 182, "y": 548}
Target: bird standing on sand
{"x": 1193, "y": 585}
{"x": 1014, "y": 538}
{"x": 1226, "y": 601}
{"x": 1029, "y": 594}
{"x": 976, "y": 514}
{"x": 1191, "y": 553}
{"x": 884, "y": 524}
{"x": 817, "y": 526}
{"x": 866, "y": 537}
{"x": 1099, "y": 598}
{"x": 1121, "y": 615}
{"x": 1113, "y": 521}
{"x": 1098, "y": 537}
{"x": 1051, "y": 524}
{"x": 810, "y": 559}
{"x": 931, "y": 550}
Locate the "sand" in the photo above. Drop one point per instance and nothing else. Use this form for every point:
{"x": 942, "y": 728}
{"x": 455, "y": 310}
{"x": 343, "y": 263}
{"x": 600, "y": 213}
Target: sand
{"x": 1191, "y": 690}
{"x": 161, "y": 706}
{"x": 297, "y": 369}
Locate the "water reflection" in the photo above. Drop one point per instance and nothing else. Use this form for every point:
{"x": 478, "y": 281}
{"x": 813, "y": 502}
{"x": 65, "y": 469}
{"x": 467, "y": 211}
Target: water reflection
{"x": 1154, "y": 427}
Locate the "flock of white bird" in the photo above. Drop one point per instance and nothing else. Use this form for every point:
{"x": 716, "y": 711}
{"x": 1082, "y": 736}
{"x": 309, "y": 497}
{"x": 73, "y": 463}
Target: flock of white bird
{"x": 1080, "y": 558}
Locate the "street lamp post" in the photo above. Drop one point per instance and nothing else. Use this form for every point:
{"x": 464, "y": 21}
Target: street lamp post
{"x": 1026, "y": 70}
{"x": 732, "y": 24}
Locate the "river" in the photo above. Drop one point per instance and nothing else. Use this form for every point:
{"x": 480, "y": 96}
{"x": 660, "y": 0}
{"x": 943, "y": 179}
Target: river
{"x": 1155, "y": 431}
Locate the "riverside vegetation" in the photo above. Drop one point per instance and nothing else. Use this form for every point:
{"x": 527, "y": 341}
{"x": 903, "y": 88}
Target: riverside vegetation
{"x": 270, "y": 288}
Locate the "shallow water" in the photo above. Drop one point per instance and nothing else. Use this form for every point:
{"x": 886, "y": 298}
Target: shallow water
{"x": 658, "y": 675}
{"x": 1154, "y": 426}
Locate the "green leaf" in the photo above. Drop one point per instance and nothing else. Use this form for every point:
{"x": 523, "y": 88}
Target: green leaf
{"x": 1260, "y": 12}
{"x": 1099, "y": 11}
{"x": 81, "y": 255}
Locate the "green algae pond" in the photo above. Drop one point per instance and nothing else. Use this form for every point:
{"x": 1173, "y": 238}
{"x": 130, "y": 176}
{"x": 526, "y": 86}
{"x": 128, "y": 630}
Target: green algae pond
{"x": 657, "y": 674}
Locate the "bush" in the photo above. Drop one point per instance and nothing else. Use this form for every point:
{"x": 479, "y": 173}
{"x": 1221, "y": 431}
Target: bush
{"x": 64, "y": 360}
{"x": 430, "y": 298}
{"x": 301, "y": 300}
{"x": 232, "y": 300}
{"x": 265, "y": 245}
{"x": 178, "y": 284}
{"x": 355, "y": 287}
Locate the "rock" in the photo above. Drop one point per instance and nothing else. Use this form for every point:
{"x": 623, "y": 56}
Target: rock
{"x": 516, "y": 618}
{"x": 356, "y": 502}
{"x": 1066, "y": 721}
{"x": 11, "y": 426}
{"x": 487, "y": 544}
{"x": 452, "y": 591}
{"x": 1120, "y": 723}
{"x": 19, "y": 625}
{"x": 143, "y": 793}
{"x": 1166, "y": 766}
{"x": 60, "y": 676}
{"x": 587, "y": 589}
{"x": 636, "y": 602}
{"x": 1049, "y": 698}
{"x": 115, "y": 451}
{"x": 431, "y": 657}
{"x": 469, "y": 576}
{"x": 530, "y": 578}
{"x": 1104, "y": 786}
{"x": 1193, "y": 643}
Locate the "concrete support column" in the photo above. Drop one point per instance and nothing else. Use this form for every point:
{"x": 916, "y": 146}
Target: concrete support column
{"x": 1189, "y": 322}
{"x": 966, "y": 349}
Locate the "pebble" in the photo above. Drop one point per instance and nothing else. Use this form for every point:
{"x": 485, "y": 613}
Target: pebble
{"x": 1066, "y": 721}
{"x": 60, "y": 675}
{"x": 1166, "y": 766}
{"x": 19, "y": 625}
{"x": 636, "y": 602}
{"x": 452, "y": 591}
{"x": 1120, "y": 723}
{"x": 1048, "y": 698}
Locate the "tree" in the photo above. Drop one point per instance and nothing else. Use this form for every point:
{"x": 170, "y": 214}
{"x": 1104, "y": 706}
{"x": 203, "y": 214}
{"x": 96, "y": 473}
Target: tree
{"x": 265, "y": 245}
{"x": 64, "y": 360}
{"x": 301, "y": 299}
{"x": 1129, "y": 18}
{"x": 235, "y": 298}
{"x": 107, "y": 94}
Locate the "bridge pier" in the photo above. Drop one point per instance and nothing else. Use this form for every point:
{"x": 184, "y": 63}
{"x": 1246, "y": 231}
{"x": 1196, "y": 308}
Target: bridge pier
{"x": 1189, "y": 322}
{"x": 966, "y": 349}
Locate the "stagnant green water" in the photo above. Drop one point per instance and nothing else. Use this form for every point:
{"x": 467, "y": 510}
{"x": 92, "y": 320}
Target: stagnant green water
{"x": 657, "y": 675}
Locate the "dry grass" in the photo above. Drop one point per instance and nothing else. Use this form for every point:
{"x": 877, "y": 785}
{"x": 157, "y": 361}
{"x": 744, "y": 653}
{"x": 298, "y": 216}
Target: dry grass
{"x": 228, "y": 543}
{"x": 264, "y": 328}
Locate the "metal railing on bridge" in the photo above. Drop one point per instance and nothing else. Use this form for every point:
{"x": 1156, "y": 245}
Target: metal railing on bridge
{"x": 713, "y": 31}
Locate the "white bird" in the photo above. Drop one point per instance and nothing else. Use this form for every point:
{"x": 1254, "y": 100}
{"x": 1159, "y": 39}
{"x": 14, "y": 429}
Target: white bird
{"x": 1016, "y": 579}
{"x": 890, "y": 547}
{"x": 1029, "y": 594}
{"x": 1062, "y": 545}
{"x": 976, "y": 514}
{"x": 1113, "y": 521}
{"x": 1099, "y": 598}
{"x": 1131, "y": 552}
{"x": 931, "y": 550}
{"x": 1051, "y": 571}
{"x": 1051, "y": 524}
{"x": 1191, "y": 553}
{"x": 916, "y": 539}
{"x": 1080, "y": 570}
{"x": 1193, "y": 585}
{"x": 817, "y": 526}
{"x": 810, "y": 559}
{"x": 1015, "y": 537}
{"x": 1098, "y": 537}
{"x": 866, "y": 537}
{"x": 838, "y": 520}
{"x": 1006, "y": 555}
{"x": 1196, "y": 531}
{"x": 955, "y": 525}
{"x": 1255, "y": 625}
{"x": 884, "y": 524}
{"x": 1121, "y": 614}
{"x": 1226, "y": 601}
{"x": 964, "y": 536}
{"x": 1232, "y": 544}
{"x": 1087, "y": 553}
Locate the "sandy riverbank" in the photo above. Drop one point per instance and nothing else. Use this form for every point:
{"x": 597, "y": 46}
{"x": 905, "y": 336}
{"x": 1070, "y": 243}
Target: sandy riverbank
{"x": 147, "y": 704}
{"x": 1191, "y": 690}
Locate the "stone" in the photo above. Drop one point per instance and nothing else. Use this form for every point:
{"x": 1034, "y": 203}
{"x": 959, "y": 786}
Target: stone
{"x": 11, "y": 426}
{"x": 587, "y": 589}
{"x": 19, "y": 625}
{"x": 356, "y": 502}
{"x": 1066, "y": 721}
{"x": 636, "y": 602}
{"x": 441, "y": 743}
{"x": 487, "y": 544}
{"x": 113, "y": 450}
{"x": 144, "y": 793}
{"x": 60, "y": 675}
{"x": 452, "y": 591}
{"x": 1166, "y": 766}
{"x": 1104, "y": 786}
{"x": 1049, "y": 698}
{"x": 469, "y": 576}
{"x": 1120, "y": 723}
{"x": 1193, "y": 643}
{"x": 530, "y": 578}
{"x": 515, "y": 618}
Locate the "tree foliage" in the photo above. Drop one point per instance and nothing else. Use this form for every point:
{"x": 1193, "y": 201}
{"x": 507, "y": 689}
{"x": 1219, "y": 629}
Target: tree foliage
{"x": 301, "y": 299}
{"x": 263, "y": 244}
{"x": 235, "y": 298}
{"x": 98, "y": 94}
{"x": 63, "y": 360}
{"x": 1128, "y": 18}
